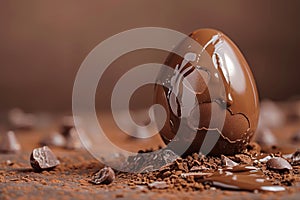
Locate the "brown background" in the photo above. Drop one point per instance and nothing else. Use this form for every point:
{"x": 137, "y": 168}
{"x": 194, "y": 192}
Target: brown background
{"x": 42, "y": 43}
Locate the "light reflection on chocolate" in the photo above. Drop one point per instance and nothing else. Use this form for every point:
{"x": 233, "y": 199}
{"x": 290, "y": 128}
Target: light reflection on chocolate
{"x": 242, "y": 177}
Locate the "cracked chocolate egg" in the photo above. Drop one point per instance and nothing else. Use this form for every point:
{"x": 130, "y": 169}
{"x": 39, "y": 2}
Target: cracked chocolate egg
{"x": 210, "y": 97}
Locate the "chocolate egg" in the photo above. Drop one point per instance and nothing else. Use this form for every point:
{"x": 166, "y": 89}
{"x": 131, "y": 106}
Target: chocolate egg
{"x": 211, "y": 92}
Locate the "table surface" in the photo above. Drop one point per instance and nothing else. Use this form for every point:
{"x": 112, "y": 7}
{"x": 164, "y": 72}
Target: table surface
{"x": 70, "y": 179}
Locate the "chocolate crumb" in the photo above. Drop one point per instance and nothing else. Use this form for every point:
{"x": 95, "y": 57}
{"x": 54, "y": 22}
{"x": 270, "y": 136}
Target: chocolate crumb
{"x": 278, "y": 163}
{"x": 242, "y": 158}
{"x": 104, "y": 176}
{"x": 228, "y": 162}
{"x": 158, "y": 185}
{"x": 195, "y": 175}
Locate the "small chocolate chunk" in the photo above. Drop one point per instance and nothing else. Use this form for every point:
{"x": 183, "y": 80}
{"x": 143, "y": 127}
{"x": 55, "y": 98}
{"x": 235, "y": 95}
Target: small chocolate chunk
{"x": 158, "y": 185}
{"x": 69, "y": 132}
{"x": 21, "y": 120}
{"x": 72, "y": 140}
{"x": 43, "y": 159}
{"x": 228, "y": 162}
{"x": 198, "y": 168}
{"x": 9, "y": 163}
{"x": 66, "y": 125}
{"x": 242, "y": 158}
{"x": 296, "y": 137}
{"x": 278, "y": 163}
{"x": 55, "y": 139}
{"x": 9, "y": 143}
{"x": 266, "y": 137}
{"x": 296, "y": 158}
{"x": 105, "y": 176}
{"x": 271, "y": 115}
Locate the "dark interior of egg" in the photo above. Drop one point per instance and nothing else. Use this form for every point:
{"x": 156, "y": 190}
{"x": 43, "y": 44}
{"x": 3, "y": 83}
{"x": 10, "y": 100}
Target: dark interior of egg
{"x": 210, "y": 99}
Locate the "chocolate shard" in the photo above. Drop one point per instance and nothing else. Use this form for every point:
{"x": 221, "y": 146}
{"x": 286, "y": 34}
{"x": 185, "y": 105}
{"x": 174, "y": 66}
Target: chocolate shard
{"x": 70, "y": 133}
{"x": 296, "y": 137}
{"x": 198, "y": 168}
{"x": 43, "y": 159}
{"x": 279, "y": 163}
{"x": 67, "y": 123}
{"x": 228, "y": 162}
{"x": 271, "y": 115}
{"x": 266, "y": 137}
{"x": 72, "y": 140}
{"x": 21, "y": 120}
{"x": 55, "y": 139}
{"x": 9, "y": 143}
{"x": 196, "y": 175}
{"x": 296, "y": 158}
{"x": 145, "y": 161}
{"x": 169, "y": 156}
{"x": 104, "y": 176}
{"x": 158, "y": 185}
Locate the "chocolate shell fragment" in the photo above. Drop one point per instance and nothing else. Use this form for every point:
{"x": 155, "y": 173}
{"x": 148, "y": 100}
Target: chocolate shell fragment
{"x": 67, "y": 137}
{"x": 43, "y": 159}
{"x": 296, "y": 158}
{"x": 9, "y": 143}
{"x": 105, "y": 176}
{"x": 278, "y": 163}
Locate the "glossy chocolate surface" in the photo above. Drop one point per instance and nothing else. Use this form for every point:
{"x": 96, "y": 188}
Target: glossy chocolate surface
{"x": 221, "y": 80}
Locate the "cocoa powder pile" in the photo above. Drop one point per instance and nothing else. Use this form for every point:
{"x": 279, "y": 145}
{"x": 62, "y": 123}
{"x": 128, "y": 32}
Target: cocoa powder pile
{"x": 200, "y": 172}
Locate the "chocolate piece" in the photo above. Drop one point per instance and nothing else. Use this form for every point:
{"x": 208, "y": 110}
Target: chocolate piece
{"x": 219, "y": 79}
{"x": 105, "y": 176}
{"x": 271, "y": 116}
{"x": 196, "y": 175}
{"x": 9, "y": 163}
{"x": 67, "y": 137}
{"x": 67, "y": 125}
{"x": 265, "y": 137}
{"x": 198, "y": 168}
{"x": 70, "y": 134}
{"x": 278, "y": 163}
{"x": 263, "y": 158}
{"x": 296, "y": 158}
{"x": 55, "y": 139}
{"x": 9, "y": 143}
{"x": 296, "y": 137}
{"x": 158, "y": 185}
{"x": 228, "y": 162}
{"x": 72, "y": 140}
{"x": 43, "y": 159}
{"x": 141, "y": 162}
{"x": 21, "y": 120}
{"x": 251, "y": 181}
{"x": 242, "y": 158}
